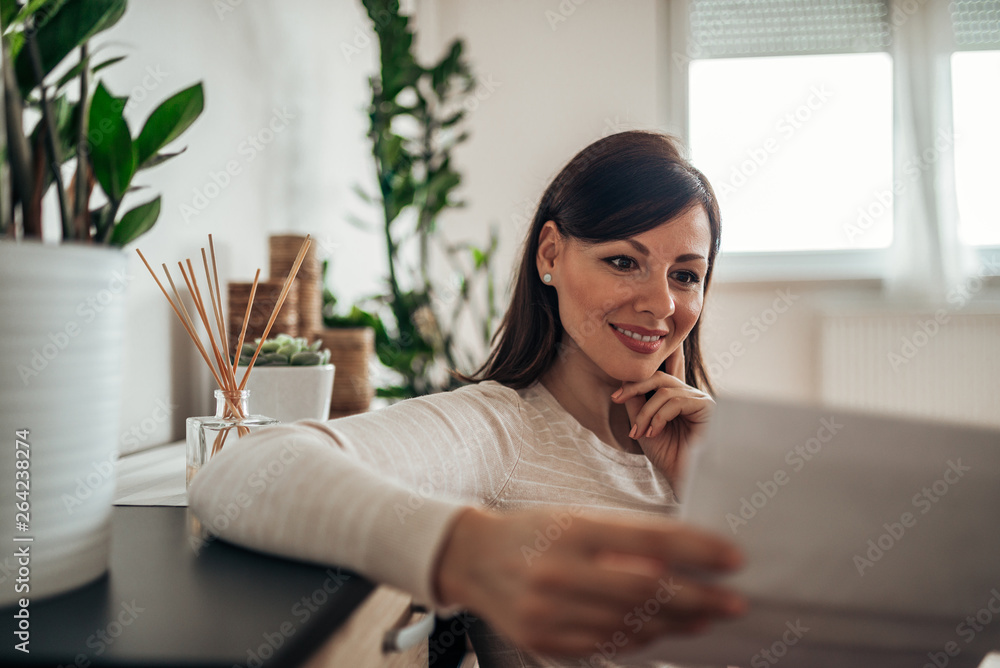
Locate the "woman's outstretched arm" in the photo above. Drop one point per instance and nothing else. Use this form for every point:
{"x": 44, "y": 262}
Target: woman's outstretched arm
{"x": 400, "y": 496}
{"x": 375, "y": 493}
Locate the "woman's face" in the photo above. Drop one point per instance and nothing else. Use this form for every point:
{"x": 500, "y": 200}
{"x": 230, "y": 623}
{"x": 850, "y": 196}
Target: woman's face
{"x": 649, "y": 285}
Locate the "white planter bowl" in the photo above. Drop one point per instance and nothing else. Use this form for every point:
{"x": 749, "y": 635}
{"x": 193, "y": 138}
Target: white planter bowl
{"x": 290, "y": 393}
{"x": 61, "y": 329}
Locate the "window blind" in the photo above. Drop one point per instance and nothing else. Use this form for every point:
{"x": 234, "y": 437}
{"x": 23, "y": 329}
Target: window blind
{"x": 976, "y": 24}
{"x": 734, "y": 28}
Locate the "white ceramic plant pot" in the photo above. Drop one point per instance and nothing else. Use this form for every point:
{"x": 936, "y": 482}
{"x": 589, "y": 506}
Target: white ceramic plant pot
{"x": 61, "y": 329}
{"x": 290, "y": 393}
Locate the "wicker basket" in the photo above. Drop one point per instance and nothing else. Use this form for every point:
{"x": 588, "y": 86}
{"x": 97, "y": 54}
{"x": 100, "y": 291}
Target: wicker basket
{"x": 351, "y": 349}
{"x": 286, "y": 322}
{"x": 308, "y": 284}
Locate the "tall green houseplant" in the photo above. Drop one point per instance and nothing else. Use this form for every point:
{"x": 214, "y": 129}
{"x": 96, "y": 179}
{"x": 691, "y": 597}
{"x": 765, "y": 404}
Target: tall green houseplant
{"x": 416, "y": 117}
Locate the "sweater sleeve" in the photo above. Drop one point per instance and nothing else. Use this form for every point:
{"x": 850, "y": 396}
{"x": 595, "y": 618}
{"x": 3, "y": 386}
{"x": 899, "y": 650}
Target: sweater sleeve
{"x": 375, "y": 493}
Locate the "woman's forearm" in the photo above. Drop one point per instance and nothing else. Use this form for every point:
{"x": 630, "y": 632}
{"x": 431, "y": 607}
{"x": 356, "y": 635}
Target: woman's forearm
{"x": 286, "y": 491}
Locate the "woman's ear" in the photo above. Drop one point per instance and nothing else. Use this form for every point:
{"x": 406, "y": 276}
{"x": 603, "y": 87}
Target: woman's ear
{"x": 550, "y": 243}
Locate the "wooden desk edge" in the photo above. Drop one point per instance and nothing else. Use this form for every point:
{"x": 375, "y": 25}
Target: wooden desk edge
{"x": 358, "y": 642}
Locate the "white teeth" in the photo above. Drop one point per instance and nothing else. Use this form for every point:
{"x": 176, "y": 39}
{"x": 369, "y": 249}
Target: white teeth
{"x": 637, "y": 337}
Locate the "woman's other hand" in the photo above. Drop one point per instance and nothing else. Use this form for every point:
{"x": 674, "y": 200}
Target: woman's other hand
{"x": 563, "y": 584}
{"x": 666, "y": 423}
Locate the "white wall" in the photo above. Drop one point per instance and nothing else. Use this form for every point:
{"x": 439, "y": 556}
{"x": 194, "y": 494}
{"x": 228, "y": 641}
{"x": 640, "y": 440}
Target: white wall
{"x": 556, "y": 75}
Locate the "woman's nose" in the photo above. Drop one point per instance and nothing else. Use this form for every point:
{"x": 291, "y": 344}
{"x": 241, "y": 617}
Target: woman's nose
{"x": 653, "y": 296}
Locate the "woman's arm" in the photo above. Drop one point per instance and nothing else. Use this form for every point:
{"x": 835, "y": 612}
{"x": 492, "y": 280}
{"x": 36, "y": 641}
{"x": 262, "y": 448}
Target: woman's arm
{"x": 375, "y": 493}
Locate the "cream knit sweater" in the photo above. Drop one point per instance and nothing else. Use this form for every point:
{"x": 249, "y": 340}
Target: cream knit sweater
{"x": 376, "y": 493}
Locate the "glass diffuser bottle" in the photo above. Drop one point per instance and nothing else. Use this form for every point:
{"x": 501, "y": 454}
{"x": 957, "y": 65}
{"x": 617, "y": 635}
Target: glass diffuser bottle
{"x": 207, "y": 435}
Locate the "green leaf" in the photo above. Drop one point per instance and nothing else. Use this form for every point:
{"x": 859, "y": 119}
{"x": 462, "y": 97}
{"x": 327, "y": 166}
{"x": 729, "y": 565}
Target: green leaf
{"x": 31, "y": 9}
{"x": 159, "y": 159}
{"x": 65, "y": 114}
{"x": 135, "y": 223}
{"x": 168, "y": 121}
{"x": 66, "y": 28}
{"x": 107, "y": 63}
{"x": 8, "y": 10}
{"x": 100, "y": 219}
{"x": 15, "y": 41}
{"x": 111, "y": 152}
{"x": 73, "y": 73}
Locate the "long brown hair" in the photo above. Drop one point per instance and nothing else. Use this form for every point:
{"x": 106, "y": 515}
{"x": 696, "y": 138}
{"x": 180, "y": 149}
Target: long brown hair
{"x": 617, "y": 187}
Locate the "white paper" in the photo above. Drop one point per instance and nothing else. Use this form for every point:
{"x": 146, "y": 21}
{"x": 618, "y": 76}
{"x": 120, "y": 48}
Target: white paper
{"x": 153, "y": 477}
{"x": 869, "y": 540}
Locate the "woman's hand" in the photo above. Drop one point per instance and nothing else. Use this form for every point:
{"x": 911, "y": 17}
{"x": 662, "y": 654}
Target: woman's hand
{"x": 665, "y": 425}
{"x": 561, "y": 583}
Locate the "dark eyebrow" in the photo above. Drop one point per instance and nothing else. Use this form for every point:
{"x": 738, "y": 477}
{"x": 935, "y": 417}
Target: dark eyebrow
{"x": 687, "y": 257}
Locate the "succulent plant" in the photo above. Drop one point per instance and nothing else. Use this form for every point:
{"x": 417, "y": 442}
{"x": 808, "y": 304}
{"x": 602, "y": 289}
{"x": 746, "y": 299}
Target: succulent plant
{"x": 285, "y": 350}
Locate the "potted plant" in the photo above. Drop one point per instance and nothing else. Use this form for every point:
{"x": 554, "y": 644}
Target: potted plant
{"x": 291, "y": 379}
{"x": 350, "y": 338}
{"x": 416, "y": 120}
{"x": 61, "y": 314}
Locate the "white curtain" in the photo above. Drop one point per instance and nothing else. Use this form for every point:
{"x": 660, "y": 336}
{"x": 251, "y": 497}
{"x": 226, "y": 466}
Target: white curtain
{"x": 927, "y": 259}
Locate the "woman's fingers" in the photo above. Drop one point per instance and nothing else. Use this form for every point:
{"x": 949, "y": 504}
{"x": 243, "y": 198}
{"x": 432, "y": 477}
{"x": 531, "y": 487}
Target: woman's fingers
{"x": 650, "y": 416}
{"x": 695, "y": 409}
{"x": 663, "y": 406}
{"x": 573, "y": 629}
{"x": 642, "y": 387}
{"x": 589, "y": 581}
{"x": 669, "y": 541}
{"x": 573, "y": 624}
{"x": 670, "y": 596}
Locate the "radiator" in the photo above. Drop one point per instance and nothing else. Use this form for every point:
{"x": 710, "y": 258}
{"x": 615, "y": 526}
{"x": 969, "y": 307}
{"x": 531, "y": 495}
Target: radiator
{"x": 943, "y": 365}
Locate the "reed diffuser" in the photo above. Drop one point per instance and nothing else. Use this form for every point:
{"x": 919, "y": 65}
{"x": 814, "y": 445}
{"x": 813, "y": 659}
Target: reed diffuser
{"x": 207, "y": 435}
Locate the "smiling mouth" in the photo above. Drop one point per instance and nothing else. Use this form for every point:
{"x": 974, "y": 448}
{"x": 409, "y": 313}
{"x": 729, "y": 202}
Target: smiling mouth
{"x": 637, "y": 337}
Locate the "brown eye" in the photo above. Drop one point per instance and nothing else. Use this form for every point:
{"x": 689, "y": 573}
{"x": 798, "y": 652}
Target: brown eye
{"x": 621, "y": 262}
{"x": 688, "y": 277}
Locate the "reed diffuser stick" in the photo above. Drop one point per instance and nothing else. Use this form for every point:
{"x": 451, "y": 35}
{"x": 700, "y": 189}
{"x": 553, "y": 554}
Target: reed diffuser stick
{"x": 246, "y": 321}
{"x": 218, "y": 297}
{"x": 219, "y": 321}
{"x": 185, "y": 319}
{"x": 192, "y": 284}
{"x": 281, "y": 300}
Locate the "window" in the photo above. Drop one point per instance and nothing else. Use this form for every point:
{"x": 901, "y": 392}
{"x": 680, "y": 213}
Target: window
{"x": 789, "y": 109}
{"x": 975, "y": 82}
{"x": 798, "y": 148}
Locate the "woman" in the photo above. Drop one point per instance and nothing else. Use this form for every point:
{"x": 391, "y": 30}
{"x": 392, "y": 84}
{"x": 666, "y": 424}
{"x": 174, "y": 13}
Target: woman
{"x": 536, "y": 497}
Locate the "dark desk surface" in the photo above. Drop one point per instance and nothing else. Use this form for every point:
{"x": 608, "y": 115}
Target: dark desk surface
{"x": 165, "y": 603}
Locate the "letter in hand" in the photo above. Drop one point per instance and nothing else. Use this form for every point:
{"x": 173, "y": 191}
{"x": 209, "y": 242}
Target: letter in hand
{"x": 586, "y": 582}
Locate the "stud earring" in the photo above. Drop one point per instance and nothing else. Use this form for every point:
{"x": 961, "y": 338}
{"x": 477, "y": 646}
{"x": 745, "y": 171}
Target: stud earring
{"x": 547, "y": 278}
